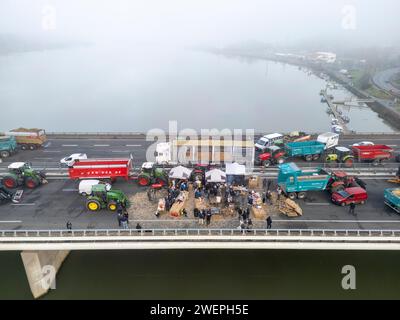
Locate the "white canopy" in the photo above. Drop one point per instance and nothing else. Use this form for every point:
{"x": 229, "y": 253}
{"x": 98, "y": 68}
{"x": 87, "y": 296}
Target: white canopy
{"x": 216, "y": 175}
{"x": 180, "y": 172}
{"x": 235, "y": 169}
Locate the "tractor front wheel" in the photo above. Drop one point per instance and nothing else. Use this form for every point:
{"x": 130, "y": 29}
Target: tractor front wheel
{"x": 112, "y": 206}
{"x": 31, "y": 183}
{"x": 4, "y": 154}
{"x": 93, "y": 205}
{"x": 143, "y": 181}
{"x": 349, "y": 163}
{"x": 161, "y": 181}
{"x": 10, "y": 182}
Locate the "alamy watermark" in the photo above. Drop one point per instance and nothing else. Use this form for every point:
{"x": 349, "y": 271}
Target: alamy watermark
{"x": 48, "y": 280}
{"x": 349, "y": 280}
{"x": 188, "y": 146}
{"x": 349, "y": 17}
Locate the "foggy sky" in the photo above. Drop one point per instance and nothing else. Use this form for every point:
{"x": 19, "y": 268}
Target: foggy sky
{"x": 214, "y": 22}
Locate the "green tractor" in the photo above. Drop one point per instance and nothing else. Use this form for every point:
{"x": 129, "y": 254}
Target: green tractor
{"x": 341, "y": 155}
{"x": 150, "y": 174}
{"x": 22, "y": 174}
{"x": 104, "y": 197}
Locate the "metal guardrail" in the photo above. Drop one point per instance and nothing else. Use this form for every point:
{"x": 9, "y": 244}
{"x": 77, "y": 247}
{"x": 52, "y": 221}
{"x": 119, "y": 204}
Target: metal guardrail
{"x": 262, "y": 233}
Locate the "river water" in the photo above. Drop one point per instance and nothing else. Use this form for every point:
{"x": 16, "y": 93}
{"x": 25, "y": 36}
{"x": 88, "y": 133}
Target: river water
{"x": 125, "y": 88}
{"x": 206, "y": 274}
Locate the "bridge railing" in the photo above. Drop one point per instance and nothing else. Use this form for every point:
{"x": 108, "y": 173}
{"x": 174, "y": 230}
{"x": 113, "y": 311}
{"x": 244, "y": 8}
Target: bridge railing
{"x": 262, "y": 233}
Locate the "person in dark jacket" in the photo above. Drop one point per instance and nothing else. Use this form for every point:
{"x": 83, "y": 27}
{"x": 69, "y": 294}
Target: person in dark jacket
{"x": 269, "y": 222}
{"x": 352, "y": 208}
{"x": 208, "y": 216}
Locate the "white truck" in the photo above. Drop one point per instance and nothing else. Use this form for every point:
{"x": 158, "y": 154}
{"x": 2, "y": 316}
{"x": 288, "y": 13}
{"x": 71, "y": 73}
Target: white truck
{"x": 329, "y": 139}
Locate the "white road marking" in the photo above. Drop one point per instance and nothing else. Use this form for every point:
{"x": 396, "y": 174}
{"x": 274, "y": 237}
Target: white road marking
{"x": 69, "y": 145}
{"x": 340, "y": 221}
{"x": 133, "y": 145}
{"x": 23, "y": 204}
{"x": 43, "y": 158}
{"x": 120, "y": 151}
{"x": 318, "y": 204}
{"x": 101, "y": 145}
{"x": 51, "y": 151}
{"x": 70, "y": 190}
{"x": 16, "y": 221}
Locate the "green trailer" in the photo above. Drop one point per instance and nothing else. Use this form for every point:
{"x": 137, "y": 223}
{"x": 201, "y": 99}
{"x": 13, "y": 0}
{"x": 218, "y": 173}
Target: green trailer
{"x": 295, "y": 183}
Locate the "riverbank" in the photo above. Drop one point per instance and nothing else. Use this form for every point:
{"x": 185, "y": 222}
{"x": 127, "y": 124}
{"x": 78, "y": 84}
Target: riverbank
{"x": 390, "y": 115}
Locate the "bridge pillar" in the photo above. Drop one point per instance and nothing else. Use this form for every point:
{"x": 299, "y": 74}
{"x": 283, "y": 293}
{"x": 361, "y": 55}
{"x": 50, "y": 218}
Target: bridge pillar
{"x": 41, "y": 268}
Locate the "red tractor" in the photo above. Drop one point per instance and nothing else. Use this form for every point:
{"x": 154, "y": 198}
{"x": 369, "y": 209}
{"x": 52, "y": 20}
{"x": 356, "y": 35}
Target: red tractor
{"x": 340, "y": 180}
{"x": 273, "y": 155}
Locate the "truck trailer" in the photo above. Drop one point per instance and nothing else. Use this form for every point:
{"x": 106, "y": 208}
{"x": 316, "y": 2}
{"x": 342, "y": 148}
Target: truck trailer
{"x": 109, "y": 169}
{"x": 28, "y": 139}
{"x": 392, "y": 199}
{"x": 376, "y": 154}
{"x": 295, "y": 183}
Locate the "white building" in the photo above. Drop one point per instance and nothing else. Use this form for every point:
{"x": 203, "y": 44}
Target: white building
{"x": 328, "y": 57}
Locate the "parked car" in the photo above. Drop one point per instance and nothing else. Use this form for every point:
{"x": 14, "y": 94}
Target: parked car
{"x": 356, "y": 195}
{"x": 85, "y": 186}
{"x": 69, "y": 161}
{"x": 363, "y": 143}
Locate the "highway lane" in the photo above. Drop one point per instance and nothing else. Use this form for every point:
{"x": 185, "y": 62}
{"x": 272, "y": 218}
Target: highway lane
{"x": 382, "y": 81}
{"x": 100, "y": 148}
{"x": 52, "y": 205}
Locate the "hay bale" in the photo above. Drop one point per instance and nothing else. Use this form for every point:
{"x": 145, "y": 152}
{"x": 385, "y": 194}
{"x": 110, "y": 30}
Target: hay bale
{"x": 259, "y": 212}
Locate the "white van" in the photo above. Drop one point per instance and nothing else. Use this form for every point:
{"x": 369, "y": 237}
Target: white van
{"x": 329, "y": 139}
{"x": 85, "y": 186}
{"x": 69, "y": 161}
{"x": 269, "y": 140}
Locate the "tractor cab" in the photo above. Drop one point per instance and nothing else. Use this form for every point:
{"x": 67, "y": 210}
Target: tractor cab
{"x": 103, "y": 196}
{"x": 341, "y": 155}
{"x": 150, "y": 174}
{"x": 271, "y": 155}
{"x": 19, "y": 167}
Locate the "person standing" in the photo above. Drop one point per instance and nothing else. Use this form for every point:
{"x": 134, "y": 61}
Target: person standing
{"x": 279, "y": 190}
{"x": 201, "y": 217}
{"x": 69, "y": 226}
{"x": 208, "y": 216}
{"x": 352, "y": 209}
{"x": 269, "y": 222}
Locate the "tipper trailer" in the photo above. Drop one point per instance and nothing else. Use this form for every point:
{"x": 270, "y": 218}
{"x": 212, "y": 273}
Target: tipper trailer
{"x": 376, "y": 154}
{"x": 392, "y": 199}
{"x": 295, "y": 182}
{"x": 101, "y": 169}
{"x": 28, "y": 139}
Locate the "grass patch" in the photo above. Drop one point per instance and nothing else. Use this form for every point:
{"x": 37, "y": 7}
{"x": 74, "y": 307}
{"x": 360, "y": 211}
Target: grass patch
{"x": 374, "y": 91}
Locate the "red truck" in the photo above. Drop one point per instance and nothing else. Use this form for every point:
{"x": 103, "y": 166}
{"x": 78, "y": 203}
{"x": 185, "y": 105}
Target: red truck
{"x": 376, "y": 154}
{"x": 101, "y": 169}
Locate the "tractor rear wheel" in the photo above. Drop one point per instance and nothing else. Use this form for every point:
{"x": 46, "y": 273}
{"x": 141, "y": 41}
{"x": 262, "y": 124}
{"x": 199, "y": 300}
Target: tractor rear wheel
{"x": 161, "y": 181}
{"x": 266, "y": 164}
{"x": 4, "y": 154}
{"x": 31, "y": 183}
{"x": 112, "y": 206}
{"x": 349, "y": 163}
{"x": 144, "y": 181}
{"x": 10, "y": 182}
{"x": 93, "y": 205}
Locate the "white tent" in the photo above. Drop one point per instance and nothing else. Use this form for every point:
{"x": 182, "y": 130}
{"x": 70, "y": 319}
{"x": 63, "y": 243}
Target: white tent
{"x": 216, "y": 176}
{"x": 180, "y": 172}
{"x": 235, "y": 169}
